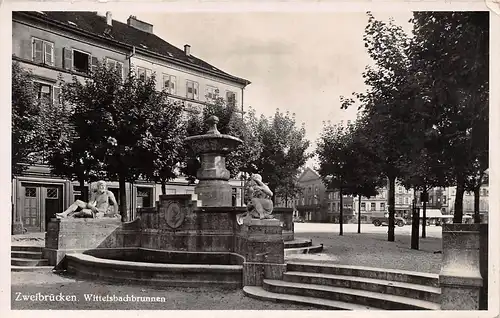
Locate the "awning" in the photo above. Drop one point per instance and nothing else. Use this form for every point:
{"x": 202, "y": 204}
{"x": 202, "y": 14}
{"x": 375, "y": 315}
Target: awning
{"x": 431, "y": 213}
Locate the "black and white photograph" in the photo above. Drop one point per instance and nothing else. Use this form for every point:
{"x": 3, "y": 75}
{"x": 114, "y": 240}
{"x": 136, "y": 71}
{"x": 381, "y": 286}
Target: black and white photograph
{"x": 222, "y": 157}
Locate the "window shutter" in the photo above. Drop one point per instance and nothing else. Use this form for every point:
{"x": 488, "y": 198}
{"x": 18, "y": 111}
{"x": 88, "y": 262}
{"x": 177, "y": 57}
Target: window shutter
{"x": 195, "y": 91}
{"x": 119, "y": 68}
{"x": 37, "y": 51}
{"x": 173, "y": 84}
{"x": 49, "y": 53}
{"x": 67, "y": 58}
{"x": 95, "y": 63}
{"x": 189, "y": 90}
{"x": 166, "y": 83}
{"x": 57, "y": 94}
{"x": 89, "y": 63}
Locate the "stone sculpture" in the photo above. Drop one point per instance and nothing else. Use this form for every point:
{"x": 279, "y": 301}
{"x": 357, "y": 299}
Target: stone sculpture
{"x": 260, "y": 205}
{"x": 97, "y": 207}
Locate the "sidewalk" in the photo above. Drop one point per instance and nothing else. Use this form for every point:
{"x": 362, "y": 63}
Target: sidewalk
{"x": 373, "y": 250}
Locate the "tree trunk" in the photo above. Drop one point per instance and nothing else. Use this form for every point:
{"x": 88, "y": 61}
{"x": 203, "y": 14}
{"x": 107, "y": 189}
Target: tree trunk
{"x": 477, "y": 216}
{"x": 392, "y": 210}
{"x": 163, "y": 187}
{"x": 85, "y": 196}
{"x": 341, "y": 215}
{"x": 286, "y": 201}
{"x": 459, "y": 200}
{"x": 414, "y": 222}
{"x": 123, "y": 198}
{"x": 359, "y": 213}
{"x": 424, "y": 216}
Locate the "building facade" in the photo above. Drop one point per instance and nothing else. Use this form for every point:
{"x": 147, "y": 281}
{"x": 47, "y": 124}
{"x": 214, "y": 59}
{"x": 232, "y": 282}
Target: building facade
{"x": 56, "y": 46}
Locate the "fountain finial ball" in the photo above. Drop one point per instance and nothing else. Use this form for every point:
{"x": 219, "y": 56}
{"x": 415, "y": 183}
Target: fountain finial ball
{"x": 212, "y": 122}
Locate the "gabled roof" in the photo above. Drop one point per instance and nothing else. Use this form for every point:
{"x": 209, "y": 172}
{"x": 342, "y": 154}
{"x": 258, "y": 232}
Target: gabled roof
{"x": 308, "y": 174}
{"x": 91, "y": 22}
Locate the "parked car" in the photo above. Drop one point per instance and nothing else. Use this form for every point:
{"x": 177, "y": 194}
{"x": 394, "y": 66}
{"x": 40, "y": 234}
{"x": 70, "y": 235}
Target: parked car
{"x": 298, "y": 220}
{"x": 384, "y": 220}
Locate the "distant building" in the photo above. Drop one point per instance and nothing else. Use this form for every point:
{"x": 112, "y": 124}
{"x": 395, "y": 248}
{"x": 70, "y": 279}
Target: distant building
{"x": 67, "y": 44}
{"x": 318, "y": 204}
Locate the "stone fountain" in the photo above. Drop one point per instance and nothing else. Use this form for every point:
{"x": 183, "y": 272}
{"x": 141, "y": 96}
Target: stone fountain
{"x": 185, "y": 240}
{"x": 213, "y": 188}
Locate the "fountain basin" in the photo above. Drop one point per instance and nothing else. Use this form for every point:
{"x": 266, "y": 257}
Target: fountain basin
{"x": 158, "y": 268}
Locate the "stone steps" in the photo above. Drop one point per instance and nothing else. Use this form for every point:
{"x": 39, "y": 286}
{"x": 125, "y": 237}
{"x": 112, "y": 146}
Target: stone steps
{"x": 26, "y": 248}
{"x": 353, "y": 296}
{"x": 14, "y": 268}
{"x": 298, "y": 242}
{"x": 258, "y": 292}
{"x": 26, "y": 254}
{"x": 427, "y": 293}
{"x": 29, "y": 262}
{"x": 26, "y": 258}
{"x": 304, "y": 250}
{"x": 417, "y": 278}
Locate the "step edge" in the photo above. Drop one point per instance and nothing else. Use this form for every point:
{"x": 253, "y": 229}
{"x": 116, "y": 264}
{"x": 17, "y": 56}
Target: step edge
{"x": 357, "y": 292}
{"x": 418, "y": 287}
{"x": 305, "y": 300}
{"x": 377, "y": 269}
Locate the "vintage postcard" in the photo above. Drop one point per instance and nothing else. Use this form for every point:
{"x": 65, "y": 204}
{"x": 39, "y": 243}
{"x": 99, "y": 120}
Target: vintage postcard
{"x": 281, "y": 157}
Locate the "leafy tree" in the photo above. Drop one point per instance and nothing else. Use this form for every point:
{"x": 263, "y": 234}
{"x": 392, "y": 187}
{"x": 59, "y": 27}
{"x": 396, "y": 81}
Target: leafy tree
{"x": 387, "y": 102}
{"x": 283, "y": 153}
{"x": 116, "y": 118}
{"x": 160, "y": 151}
{"x": 25, "y": 119}
{"x": 335, "y": 151}
{"x": 453, "y": 50}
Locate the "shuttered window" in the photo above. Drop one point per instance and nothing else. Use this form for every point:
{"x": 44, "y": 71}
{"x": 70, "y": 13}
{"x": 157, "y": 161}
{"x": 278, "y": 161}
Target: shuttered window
{"x": 43, "y": 51}
{"x": 231, "y": 98}
{"x": 192, "y": 90}
{"x": 169, "y": 83}
{"x": 115, "y": 65}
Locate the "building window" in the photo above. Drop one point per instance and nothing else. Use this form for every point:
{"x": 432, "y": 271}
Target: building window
{"x": 406, "y": 200}
{"x": 212, "y": 93}
{"x": 372, "y": 206}
{"x": 230, "y": 98}
{"x": 143, "y": 73}
{"x": 334, "y": 206}
{"x": 170, "y": 83}
{"x": 52, "y": 193}
{"x": 363, "y": 206}
{"x": 144, "y": 196}
{"x": 81, "y": 61}
{"x": 444, "y": 199}
{"x": 382, "y": 206}
{"x": 400, "y": 200}
{"x": 30, "y": 192}
{"x": 233, "y": 196}
{"x": 46, "y": 93}
{"x": 114, "y": 65}
{"x": 192, "y": 90}
{"x": 43, "y": 51}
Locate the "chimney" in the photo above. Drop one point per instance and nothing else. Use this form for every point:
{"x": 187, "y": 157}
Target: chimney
{"x": 187, "y": 49}
{"x": 139, "y": 25}
{"x": 109, "y": 18}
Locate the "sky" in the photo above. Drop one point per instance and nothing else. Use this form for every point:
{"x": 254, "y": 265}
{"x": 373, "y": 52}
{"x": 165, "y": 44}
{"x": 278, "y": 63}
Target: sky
{"x": 301, "y": 62}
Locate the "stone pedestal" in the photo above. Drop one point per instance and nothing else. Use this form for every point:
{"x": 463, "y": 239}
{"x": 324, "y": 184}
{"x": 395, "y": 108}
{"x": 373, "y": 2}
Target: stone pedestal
{"x": 261, "y": 243}
{"x": 77, "y": 235}
{"x": 460, "y": 277}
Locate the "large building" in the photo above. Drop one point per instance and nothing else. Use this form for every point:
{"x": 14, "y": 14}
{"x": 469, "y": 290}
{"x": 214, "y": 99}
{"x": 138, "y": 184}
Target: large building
{"x": 60, "y": 45}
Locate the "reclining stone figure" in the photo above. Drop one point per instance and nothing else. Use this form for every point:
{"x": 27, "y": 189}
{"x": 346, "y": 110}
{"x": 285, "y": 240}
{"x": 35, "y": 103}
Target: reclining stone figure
{"x": 97, "y": 207}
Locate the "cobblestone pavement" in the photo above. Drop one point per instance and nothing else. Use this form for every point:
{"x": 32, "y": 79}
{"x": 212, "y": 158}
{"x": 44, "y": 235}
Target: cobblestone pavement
{"x": 371, "y": 248}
